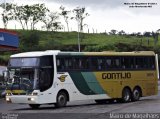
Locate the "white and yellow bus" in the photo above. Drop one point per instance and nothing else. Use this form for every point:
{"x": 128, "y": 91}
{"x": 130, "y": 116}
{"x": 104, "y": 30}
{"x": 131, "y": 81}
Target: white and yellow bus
{"x": 55, "y": 77}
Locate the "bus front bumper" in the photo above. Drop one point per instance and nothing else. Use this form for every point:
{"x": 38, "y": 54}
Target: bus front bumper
{"x": 22, "y": 99}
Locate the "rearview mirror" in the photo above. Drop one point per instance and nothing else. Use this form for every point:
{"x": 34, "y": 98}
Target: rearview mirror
{"x": 5, "y": 75}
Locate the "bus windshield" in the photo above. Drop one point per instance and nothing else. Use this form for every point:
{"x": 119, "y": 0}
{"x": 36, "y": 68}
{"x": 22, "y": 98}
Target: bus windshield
{"x": 28, "y": 74}
{"x": 25, "y": 79}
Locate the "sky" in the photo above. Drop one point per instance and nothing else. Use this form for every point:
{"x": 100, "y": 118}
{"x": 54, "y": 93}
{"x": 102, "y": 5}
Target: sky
{"x": 105, "y": 15}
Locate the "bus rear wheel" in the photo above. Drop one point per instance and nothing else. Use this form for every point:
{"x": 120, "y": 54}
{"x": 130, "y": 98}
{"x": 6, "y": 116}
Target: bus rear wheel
{"x": 126, "y": 95}
{"x": 61, "y": 99}
{"x": 34, "y": 106}
{"x": 136, "y": 94}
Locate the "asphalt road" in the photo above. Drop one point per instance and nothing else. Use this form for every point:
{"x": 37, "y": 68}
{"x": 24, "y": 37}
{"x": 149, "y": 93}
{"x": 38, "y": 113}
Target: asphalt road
{"x": 83, "y": 110}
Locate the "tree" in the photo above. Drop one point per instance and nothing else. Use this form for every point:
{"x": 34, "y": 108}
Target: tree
{"x": 122, "y": 32}
{"x": 158, "y": 31}
{"x": 80, "y": 15}
{"x": 113, "y": 32}
{"x": 30, "y": 14}
{"x": 147, "y": 34}
{"x": 138, "y": 34}
{"x": 27, "y": 12}
{"x": 65, "y": 14}
{"x": 50, "y": 21}
{"x": 38, "y": 12}
{"x": 23, "y": 14}
{"x": 56, "y": 26}
{"x": 19, "y": 15}
{"x": 7, "y": 14}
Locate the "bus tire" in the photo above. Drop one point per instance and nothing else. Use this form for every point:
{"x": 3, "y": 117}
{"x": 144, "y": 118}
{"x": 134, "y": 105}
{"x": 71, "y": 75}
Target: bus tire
{"x": 34, "y": 106}
{"x": 126, "y": 95}
{"x": 136, "y": 94}
{"x": 111, "y": 100}
{"x": 61, "y": 99}
{"x": 101, "y": 101}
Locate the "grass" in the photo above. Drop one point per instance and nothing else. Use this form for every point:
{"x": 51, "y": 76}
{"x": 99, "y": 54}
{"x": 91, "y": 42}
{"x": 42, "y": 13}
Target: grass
{"x": 99, "y": 39}
{"x": 70, "y": 38}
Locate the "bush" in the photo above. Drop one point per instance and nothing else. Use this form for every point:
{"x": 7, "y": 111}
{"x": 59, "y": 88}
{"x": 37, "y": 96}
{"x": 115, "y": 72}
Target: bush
{"x": 4, "y": 60}
{"x": 29, "y": 41}
{"x": 51, "y": 45}
{"x": 99, "y": 48}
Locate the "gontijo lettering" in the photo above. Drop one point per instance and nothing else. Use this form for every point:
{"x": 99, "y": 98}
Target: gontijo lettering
{"x": 125, "y": 75}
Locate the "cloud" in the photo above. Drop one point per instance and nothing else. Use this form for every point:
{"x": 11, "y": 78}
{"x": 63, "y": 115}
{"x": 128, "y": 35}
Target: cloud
{"x": 97, "y": 3}
{"x": 102, "y": 5}
{"x": 108, "y": 14}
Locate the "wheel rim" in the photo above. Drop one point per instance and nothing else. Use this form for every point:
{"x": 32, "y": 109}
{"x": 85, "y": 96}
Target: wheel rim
{"x": 62, "y": 100}
{"x": 136, "y": 94}
{"x": 126, "y": 96}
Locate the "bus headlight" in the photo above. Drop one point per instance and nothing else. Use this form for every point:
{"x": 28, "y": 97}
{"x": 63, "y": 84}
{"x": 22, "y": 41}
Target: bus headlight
{"x": 8, "y": 99}
{"x": 32, "y": 99}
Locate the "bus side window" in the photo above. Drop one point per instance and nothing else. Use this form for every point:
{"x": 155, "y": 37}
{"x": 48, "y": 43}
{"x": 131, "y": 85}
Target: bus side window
{"x": 80, "y": 64}
{"x": 101, "y": 63}
{"x": 68, "y": 63}
{"x": 151, "y": 62}
{"x": 94, "y": 63}
{"x": 116, "y": 63}
{"x": 85, "y": 63}
{"x": 108, "y": 63}
{"x": 128, "y": 62}
{"x": 123, "y": 63}
{"x": 146, "y": 62}
{"x": 77, "y": 63}
{"x": 139, "y": 62}
{"x": 60, "y": 64}
{"x": 131, "y": 62}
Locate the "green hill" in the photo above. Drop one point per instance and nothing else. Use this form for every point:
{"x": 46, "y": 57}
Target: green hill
{"x": 67, "y": 41}
{"x": 43, "y": 40}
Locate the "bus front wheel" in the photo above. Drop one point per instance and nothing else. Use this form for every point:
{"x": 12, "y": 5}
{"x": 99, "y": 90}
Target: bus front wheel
{"x": 126, "y": 95}
{"x": 34, "y": 106}
{"x": 61, "y": 99}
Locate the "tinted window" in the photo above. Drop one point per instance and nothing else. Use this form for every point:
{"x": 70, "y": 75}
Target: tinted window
{"x": 127, "y": 62}
{"x": 104, "y": 63}
{"x": 72, "y": 63}
{"x": 46, "y": 61}
{"x": 46, "y": 72}
{"x": 101, "y": 63}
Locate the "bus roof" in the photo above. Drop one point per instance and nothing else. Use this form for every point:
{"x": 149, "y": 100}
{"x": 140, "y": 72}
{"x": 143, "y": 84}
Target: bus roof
{"x": 110, "y": 53}
{"x": 104, "y": 53}
{"x": 36, "y": 53}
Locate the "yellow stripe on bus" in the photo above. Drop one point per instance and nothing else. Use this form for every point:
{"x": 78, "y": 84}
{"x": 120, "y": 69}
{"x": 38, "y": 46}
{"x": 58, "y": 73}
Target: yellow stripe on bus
{"x": 113, "y": 82}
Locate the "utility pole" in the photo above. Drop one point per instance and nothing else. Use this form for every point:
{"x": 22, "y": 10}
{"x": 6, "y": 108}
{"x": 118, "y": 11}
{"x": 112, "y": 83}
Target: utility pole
{"x": 79, "y": 47}
{"x": 5, "y": 5}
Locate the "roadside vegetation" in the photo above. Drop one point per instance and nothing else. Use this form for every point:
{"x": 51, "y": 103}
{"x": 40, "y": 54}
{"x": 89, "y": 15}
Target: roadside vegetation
{"x": 67, "y": 41}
